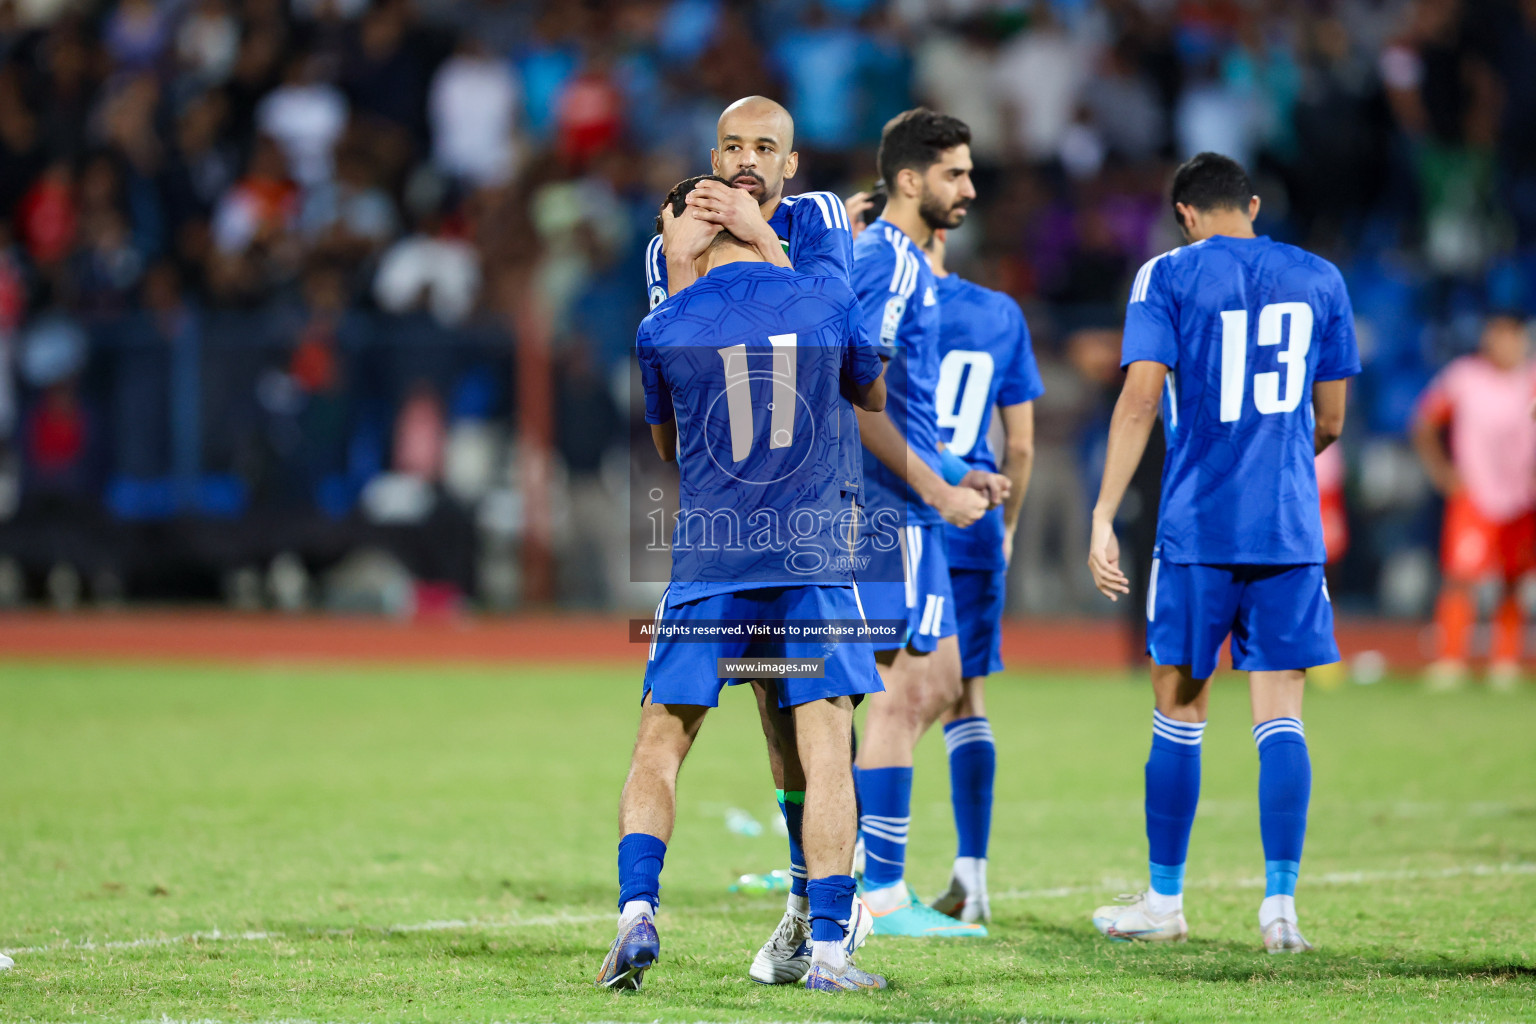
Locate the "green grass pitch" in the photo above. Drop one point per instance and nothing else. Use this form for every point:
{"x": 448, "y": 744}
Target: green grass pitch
{"x": 370, "y": 845}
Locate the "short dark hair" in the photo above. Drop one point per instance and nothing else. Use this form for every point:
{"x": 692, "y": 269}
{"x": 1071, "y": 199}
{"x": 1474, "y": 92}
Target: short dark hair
{"x": 916, "y": 139}
{"x": 677, "y": 198}
{"x": 1210, "y": 181}
{"x": 1514, "y": 313}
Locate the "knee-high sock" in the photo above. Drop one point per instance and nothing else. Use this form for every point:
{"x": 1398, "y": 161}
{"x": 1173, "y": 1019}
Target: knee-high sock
{"x": 886, "y": 797}
{"x": 1173, "y": 792}
{"x": 1508, "y": 627}
{"x": 972, "y": 769}
{"x": 792, "y": 806}
{"x": 640, "y": 860}
{"x": 1285, "y": 787}
{"x": 1455, "y": 615}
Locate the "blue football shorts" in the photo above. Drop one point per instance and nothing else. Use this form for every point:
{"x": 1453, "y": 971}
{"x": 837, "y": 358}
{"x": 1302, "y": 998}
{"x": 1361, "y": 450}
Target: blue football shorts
{"x": 979, "y": 595}
{"x": 685, "y": 672}
{"x": 922, "y": 597}
{"x": 1280, "y": 617}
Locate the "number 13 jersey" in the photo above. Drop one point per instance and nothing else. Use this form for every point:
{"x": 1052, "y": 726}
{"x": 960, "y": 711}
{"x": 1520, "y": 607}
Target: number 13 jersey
{"x": 1245, "y": 326}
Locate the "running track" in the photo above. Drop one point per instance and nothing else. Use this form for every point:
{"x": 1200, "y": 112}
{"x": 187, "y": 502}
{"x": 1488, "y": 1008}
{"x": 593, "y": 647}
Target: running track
{"x": 224, "y": 637}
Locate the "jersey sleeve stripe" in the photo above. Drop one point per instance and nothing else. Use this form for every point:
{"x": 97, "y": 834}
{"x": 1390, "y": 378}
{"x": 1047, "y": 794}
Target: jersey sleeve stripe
{"x": 826, "y": 215}
{"x": 1144, "y": 277}
{"x": 653, "y": 261}
{"x": 835, "y": 205}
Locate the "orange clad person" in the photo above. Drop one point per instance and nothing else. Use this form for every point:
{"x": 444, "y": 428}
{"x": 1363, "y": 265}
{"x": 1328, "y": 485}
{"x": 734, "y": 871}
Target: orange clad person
{"x": 1481, "y": 404}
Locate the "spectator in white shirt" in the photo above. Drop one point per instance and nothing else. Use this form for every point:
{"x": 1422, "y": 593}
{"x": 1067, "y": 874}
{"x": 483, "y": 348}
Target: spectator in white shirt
{"x": 472, "y": 107}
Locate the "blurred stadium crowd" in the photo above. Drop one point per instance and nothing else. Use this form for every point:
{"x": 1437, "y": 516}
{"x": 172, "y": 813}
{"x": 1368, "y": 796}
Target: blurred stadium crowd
{"x": 265, "y": 265}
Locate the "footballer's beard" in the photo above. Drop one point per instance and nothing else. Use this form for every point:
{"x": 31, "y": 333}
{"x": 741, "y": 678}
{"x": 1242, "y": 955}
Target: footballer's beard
{"x": 936, "y": 215}
{"x": 759, "y": 188}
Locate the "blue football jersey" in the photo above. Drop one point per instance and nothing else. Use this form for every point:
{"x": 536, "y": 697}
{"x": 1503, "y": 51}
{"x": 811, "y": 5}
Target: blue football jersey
{"x": 752, "y": 361}
{"x": 1245, "y": 326}
{"x": 986, "y": 360}
{"x": 899, "y": 297}
{"x": 812, "y": 227}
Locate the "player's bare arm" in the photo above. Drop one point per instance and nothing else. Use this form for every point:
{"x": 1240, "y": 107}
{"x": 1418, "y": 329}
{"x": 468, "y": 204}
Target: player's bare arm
{"x": 992, "y": 486}
{"x": 1135, "y": 415}
{"x": 1018, "y": 463}
{"x": 736, "y": 210}
{"x": 1328, "y": 397}
{"x": 664, "y": 436}
{"x": 1429, "y": 444}
{"x": 868, "y": 397}
{"x": 960, "y": 506}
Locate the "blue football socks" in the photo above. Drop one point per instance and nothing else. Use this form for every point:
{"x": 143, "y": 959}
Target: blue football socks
{"x": 831, "y": 907}
{"x": 1173, "y": 792}
{"x": 972, "y": 768}
{"x": 640, "y": 860}
{"x": 792, "y": 806}
{"x": 885, "y": 798}
{"x": 1285, "y": 787}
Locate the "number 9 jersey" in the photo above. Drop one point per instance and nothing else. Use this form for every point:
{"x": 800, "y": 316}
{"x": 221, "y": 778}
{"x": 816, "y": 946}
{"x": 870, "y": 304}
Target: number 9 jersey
{"x": 1245, "y": 326}
{"x": 987, "y": 361}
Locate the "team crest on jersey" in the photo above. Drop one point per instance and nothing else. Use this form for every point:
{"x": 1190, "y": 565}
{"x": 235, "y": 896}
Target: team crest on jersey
{"x": 658, "y": 293}
{"x": 894, "y": 308}
{"x": 928, "y": 297}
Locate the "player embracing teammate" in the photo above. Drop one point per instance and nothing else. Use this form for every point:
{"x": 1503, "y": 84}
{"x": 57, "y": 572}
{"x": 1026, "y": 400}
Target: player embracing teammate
{"x": 750, "y": 375}
{"x": 1246, "y": 345}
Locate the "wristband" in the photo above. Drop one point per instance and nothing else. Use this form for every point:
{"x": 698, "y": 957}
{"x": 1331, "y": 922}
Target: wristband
{"x": 952, "y": 467}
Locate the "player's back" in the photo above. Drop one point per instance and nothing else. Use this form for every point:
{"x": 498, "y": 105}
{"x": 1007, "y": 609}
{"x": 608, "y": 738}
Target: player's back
{"x": 1246, "y": 327}
{"x": 751, "y": 360}
{"x": 985, "y": 361}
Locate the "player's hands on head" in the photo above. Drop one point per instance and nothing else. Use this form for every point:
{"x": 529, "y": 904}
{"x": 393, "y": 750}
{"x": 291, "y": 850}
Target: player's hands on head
{"x": 856, "y": 204}
{"x": 992, "y": 486}
{"x": 686, "y": 237}
{"x": 734, "y": 209}
{"x": 1104, "y": 561}
{"x": 961, "y": 505}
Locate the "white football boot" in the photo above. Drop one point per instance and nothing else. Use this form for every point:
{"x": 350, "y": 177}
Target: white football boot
{"x": 966, "y": 898}
{"x": 1282, "y": 936}
{"x": 1277, "y": 920}
{"x": 6, "y": 963}
{"x": 1130, "y": 919}
{"x": 786, "y": 956}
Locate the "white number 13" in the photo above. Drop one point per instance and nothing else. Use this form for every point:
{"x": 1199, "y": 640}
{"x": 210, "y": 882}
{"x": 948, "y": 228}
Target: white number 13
{"x": 1268, "y": 396}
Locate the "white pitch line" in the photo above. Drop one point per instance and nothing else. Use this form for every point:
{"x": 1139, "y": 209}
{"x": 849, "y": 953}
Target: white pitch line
{"x": 1258, "y": 882}
{"x": 559, "y": 919}
{"x": 217, "y": 935}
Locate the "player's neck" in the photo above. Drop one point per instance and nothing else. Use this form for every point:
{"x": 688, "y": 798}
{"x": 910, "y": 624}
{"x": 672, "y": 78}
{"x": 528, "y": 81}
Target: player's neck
{"x": 909, "y": 219}
{"x": 1234, "y": 225}
{"x": 726, "y": 253}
